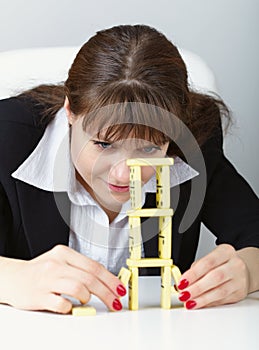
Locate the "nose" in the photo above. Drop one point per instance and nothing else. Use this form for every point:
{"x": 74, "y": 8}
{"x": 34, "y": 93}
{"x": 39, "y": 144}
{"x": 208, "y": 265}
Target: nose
{"x": 120, "y": 173}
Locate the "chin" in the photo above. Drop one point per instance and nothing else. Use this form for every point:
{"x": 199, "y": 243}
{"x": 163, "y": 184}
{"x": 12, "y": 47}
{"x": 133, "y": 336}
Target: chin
{"x": 121, "y": 197}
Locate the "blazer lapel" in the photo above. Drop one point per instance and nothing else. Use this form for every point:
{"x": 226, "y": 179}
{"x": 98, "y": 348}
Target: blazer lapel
{"x": 45, "y": 217}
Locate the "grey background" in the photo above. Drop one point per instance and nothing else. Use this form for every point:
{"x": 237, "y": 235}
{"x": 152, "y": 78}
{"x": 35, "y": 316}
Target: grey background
{"x": 223, "y": 32}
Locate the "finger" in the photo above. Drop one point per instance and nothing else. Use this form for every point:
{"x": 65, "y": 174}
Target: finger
{"x": 211, "y": 280}
{"x": 73, "y": 288}
{"x": 57, "y": 303}
{"x": 216, "y": 296}
{"x": 217, "y": 257}
{"x": 80, "y": 284}
{"x": 99, "y": 289}
{"x": 79, "y": 261}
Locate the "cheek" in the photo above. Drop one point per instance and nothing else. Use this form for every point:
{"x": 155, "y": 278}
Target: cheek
{"x": 79, "y": 141}
{"x": 90, "y": 165}
{"x": 146, "y": 173}
{"x": 82, "y": 161}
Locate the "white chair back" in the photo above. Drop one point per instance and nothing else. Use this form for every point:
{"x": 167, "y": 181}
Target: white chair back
{"x": 23, "y": 69}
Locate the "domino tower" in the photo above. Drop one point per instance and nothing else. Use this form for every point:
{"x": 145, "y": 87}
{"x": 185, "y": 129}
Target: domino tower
{"x": 164, "y": 214}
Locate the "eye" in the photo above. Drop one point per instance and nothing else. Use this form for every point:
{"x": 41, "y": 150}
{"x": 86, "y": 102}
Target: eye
{"x": 151, "y": 149}
{"x": 103, "y": 145}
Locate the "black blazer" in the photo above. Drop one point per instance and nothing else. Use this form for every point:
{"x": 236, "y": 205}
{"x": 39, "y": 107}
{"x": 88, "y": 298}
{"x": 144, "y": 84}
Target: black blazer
{"x": 31, "y": 224}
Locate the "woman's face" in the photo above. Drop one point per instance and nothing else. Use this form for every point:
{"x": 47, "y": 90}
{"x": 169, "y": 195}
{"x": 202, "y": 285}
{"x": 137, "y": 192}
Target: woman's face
{"x": 101, "y": 166}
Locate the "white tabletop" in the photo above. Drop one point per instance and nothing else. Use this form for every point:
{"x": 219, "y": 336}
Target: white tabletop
{"x": 226, "y": 327}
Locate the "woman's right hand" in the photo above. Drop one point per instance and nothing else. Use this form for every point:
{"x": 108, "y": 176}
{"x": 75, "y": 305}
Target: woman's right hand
{"x": 38, "y": 284}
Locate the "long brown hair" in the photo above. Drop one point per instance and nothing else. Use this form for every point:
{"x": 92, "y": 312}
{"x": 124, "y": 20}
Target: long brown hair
{"x": 132, "y": 64}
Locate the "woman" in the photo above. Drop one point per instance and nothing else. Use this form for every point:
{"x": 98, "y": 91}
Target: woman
{"x": 64, "y": 183}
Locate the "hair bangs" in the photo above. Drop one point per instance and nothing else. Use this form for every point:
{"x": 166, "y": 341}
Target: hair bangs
{"x": 137, "y": 131}
{"x": 131, "y": 112}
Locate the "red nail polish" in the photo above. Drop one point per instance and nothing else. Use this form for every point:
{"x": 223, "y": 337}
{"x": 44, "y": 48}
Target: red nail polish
{"x": 184, "y": 296}
{"x": 190, "y": 304}
{"x": 121, "y": 290}
{"x": 117, "y": 305}
{"x": 183, "y": 284}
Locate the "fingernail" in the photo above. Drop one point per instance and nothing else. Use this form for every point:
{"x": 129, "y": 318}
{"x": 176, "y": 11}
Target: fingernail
{"x": 121, "y": 290}
{"x": 183, "y": 284}
{"x": 184, "y": 296}
{"x": 117, "y": 305}
{"x": 190, "y": 304}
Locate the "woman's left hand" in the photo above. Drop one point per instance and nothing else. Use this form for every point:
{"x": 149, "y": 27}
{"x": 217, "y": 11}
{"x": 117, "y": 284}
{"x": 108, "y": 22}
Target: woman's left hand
{"x": 221, "y": 277}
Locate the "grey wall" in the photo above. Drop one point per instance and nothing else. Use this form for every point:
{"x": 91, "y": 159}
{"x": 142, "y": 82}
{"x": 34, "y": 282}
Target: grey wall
{"x": 223, "y": 32}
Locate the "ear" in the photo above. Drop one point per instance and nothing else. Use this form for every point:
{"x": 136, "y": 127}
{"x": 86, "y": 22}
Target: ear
{"x": 70, "y": 115}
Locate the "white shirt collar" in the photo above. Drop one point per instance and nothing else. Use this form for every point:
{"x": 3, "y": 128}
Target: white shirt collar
{"x": 49, "y": 166}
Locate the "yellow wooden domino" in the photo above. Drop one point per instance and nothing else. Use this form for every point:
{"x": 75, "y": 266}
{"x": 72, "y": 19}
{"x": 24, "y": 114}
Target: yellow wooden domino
{"x": 133, "y": 289}
{"x": 150, "y": 212}
{"x": 124, "y": 276}
{"x": 83, "y": 311}
{"x": 165, "y": 237}
{"x": 166, "y": 283}
{"x": 150, "y": 161}
{"x": 163, "y": 197}
{"x": 135, "y": 237}
{"x": 149, "y": 262}
{"x": 174, "y": 290}
{"x": 176, "y": 273}
{"x": 163, "y": 187}
{"x": 135, "y": 187}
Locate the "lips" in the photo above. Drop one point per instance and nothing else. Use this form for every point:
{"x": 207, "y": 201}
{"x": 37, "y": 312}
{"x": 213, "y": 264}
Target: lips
{"x": 120, "y": 189}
